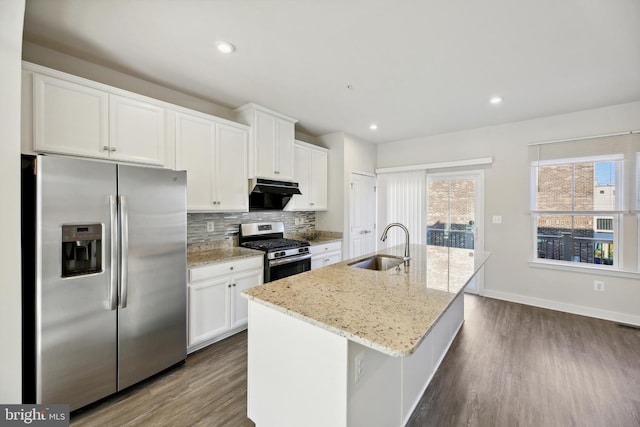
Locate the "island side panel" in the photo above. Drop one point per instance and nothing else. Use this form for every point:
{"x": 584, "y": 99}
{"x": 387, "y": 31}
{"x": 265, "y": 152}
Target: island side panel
{"x": 296, "y": 372}
{"x": 419, "y": 368}
{"x": 375, "y": 385}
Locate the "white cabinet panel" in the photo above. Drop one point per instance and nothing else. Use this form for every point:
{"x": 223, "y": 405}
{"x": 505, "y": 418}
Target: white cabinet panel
{"x": 194, "y": 153}
{"x": 301, "y": 167}
{"x": 239, "y": 308}
{"x": 310, "y": 172}
{"x": 69, "y": 118}
{"x": 271, "y": 142}
{"x": 285, "y": 133}
{"x": 231, "y": 169}
{"x": 136, "y": 131}
{"x": 319, "y": 165}
{"x": 325, "y": 254}
{"x": 215, "y": 158}
{"x": 78, "y": 117}
{"x": 265, "y": 145}
{"x": 208, "y": 309}
{"x": 216, "y": 308}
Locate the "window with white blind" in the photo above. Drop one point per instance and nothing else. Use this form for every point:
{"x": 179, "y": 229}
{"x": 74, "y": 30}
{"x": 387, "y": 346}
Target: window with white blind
{"x": 580, "y": 190}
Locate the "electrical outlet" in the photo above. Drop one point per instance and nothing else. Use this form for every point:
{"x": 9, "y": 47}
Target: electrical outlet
{"x": 497, "y": 219}
{"x": 359, "y": 365}
{"x": 598, "y": 285}
{"x": 211, "y": 226}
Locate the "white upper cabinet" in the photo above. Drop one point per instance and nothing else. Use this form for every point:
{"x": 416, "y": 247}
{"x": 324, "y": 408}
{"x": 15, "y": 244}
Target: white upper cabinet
{"x": 231, "y": 191}
{"x": 194, "y": 153}
{"x": 214, "y": 154}
{"x": 285, "y": 134}
{"x": 78, "y": 117}
{"x": 310, "y": 172}
{"x": 69, "y": 118}
{"x": 271, "y": 142}
{"x": 136, "y": 131}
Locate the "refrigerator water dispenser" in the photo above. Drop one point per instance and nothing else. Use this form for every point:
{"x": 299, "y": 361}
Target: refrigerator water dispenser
{"x": 81, "y": 249}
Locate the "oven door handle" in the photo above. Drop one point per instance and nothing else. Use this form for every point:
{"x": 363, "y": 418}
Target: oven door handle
{"x": 276, "y": 262}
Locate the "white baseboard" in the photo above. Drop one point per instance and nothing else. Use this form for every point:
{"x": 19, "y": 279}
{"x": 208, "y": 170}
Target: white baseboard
{"x": 629, "y": 319}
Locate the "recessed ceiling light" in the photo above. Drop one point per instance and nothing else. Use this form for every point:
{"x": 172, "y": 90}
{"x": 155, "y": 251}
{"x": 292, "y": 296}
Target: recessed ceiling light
{"x": 495, "y": 100}
{"x": 373, "y": 126}
{"x": 225, "y": 47}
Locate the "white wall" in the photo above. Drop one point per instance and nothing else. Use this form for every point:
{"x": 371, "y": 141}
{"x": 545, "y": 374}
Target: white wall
{"x": 333, "y": 218}
{"x": 508, "y": 274}
{"x": 11, "y": 19}
{"x": 347, "y": 154}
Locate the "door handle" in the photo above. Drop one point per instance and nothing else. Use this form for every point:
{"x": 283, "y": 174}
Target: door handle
{"x": 113, "y": 280}
{"x": 124, "y": 252}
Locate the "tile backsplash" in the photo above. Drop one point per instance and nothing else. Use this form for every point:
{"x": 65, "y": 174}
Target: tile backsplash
{"x": 226, "y": 224}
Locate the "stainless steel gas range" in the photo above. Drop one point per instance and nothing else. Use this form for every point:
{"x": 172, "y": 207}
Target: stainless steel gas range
{"x": 283, "y": 257}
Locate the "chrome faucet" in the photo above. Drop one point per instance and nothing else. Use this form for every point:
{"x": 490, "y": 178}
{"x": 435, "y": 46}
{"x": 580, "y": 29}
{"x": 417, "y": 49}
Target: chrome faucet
{"x": 406, "y": 243}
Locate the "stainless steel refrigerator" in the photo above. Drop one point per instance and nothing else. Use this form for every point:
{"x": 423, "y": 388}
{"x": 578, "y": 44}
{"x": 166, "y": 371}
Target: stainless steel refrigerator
{"x": 104, "y": 277}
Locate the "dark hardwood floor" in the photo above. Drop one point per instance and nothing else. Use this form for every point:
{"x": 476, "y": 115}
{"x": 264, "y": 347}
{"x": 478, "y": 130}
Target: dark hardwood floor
{"x": 511, "y": 365}
{"x": 516, "y": 365}
{"x": 210, "y": 389}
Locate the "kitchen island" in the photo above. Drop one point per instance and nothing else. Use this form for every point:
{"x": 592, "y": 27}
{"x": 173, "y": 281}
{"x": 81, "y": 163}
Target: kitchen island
{"x": 345, "y": 346}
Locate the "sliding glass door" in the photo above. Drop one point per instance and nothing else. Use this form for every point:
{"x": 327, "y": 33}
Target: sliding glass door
{"x": 454, "y": 214}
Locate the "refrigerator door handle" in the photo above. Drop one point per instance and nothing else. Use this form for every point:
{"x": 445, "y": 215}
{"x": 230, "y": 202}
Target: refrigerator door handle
{"x": 113, "y": 280}
{"x": 124, "y": 251}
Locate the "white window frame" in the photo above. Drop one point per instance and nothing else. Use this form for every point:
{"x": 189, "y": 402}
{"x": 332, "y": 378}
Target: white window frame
{"x": 617, "y": 265}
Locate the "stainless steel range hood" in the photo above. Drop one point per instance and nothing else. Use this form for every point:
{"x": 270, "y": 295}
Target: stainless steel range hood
{"x": 270, "y": 195}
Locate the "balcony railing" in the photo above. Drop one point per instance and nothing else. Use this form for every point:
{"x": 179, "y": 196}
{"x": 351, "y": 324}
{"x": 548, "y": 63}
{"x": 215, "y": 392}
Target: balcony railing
{"x": 450, "y": 238}
{"x": 566, "y": 247}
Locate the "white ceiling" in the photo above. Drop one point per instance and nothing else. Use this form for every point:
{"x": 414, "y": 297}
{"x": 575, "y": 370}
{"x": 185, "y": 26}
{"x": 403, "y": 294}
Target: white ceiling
{"x": 417, "y": 67}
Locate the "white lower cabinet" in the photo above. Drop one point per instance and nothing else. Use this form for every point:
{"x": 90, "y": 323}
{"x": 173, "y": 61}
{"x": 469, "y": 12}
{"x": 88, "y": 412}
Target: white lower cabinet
{"x": 324, "y": 254}
{"x": 216, "y": 308}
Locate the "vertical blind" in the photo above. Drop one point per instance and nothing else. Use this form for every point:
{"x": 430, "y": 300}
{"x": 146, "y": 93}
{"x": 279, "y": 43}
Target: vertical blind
{"x": 402, "y": 197}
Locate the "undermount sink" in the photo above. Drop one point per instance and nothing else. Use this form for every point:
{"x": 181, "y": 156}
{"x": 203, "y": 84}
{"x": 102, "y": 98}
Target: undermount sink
{"x": 378, "y": 262}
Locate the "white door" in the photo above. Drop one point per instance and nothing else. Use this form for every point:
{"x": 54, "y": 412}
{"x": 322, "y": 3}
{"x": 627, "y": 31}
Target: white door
{"x": 362, "y": 228}
{"x": 455, "y": 216}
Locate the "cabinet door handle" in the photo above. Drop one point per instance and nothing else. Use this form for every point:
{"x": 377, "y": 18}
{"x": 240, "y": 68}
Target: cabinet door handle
{"x": 234, "y": 285}
{"x": 231, "y": 268}
{"x": 106, "y": 148}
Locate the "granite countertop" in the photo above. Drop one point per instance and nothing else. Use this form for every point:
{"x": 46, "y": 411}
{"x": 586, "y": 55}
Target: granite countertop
{"x": 324, "y": 239}
{"x": 390, "y": 311}
{"x": 316, "y": 237}
{"x": 220, "y": 254}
